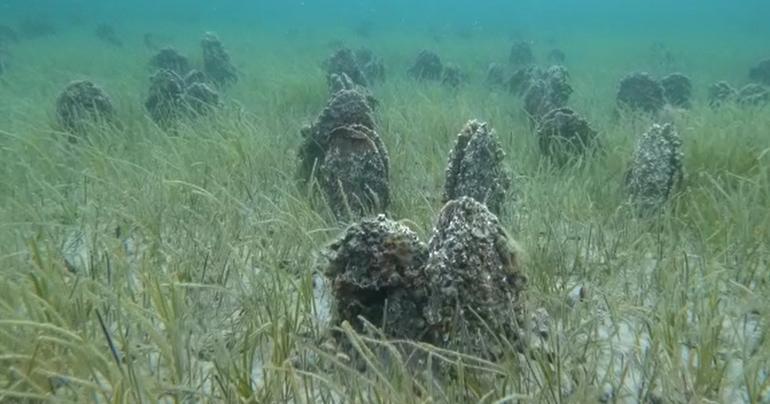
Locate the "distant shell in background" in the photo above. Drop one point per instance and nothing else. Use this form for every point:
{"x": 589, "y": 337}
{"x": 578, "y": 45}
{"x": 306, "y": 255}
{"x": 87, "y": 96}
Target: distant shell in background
{"x": 216, "y": 61}
{"x": 753, "y": 95}
{"x": 641, "y": 92}
{"x": 677, "y": 89}
{"x": 656, "y": 169}
{"x": 721, "y": 93}
{"x": 761, "y": 73}
{"x": 548, "y": 91}
{"x": 521, "y": 54}
{"x": 170, "y": 59}
{"x": 354, "y": 173}
{"x": 344, "y": 108}
{"x": 372, "y": 66}
{"x": 343, "y": 61}
{"x": 81, "y": 105}
{"x": 427, "y": 66}
{"x": 171, "y": 98}
{"x": 563, "y": 134}
{"x": 452, "y": 77}
{"x": 476, "y": 167}
{"x": 495, "y": 74}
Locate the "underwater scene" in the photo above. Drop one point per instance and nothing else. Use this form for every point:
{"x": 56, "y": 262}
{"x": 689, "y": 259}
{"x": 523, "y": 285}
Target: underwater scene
{"x": 385, "y": 201}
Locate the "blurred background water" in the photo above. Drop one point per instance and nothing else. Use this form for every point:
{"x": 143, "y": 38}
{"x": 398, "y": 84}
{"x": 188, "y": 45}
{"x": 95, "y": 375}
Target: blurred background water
{"x": 513, "y": 17}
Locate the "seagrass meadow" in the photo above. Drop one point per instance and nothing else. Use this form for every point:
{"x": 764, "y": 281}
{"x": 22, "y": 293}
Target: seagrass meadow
{"x": 141, "y": 263}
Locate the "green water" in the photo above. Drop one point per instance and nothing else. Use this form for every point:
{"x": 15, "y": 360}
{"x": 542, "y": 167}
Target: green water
{"x": 140, "y": 263}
